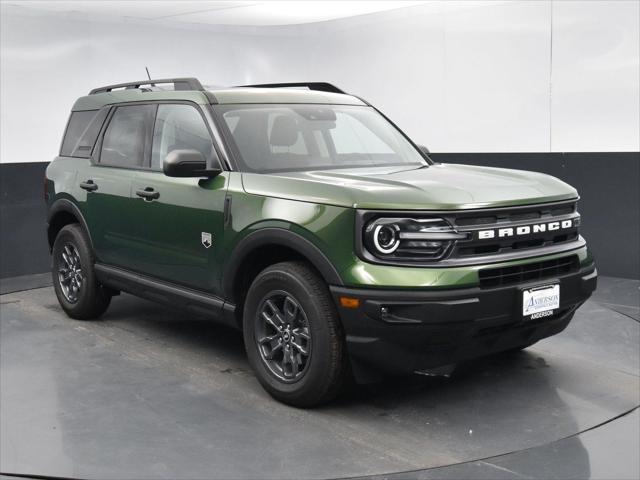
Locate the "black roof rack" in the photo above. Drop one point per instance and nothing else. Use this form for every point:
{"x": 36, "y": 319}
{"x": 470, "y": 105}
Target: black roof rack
{"x": 178, "y": 84}
{"x": 320, "y": 86}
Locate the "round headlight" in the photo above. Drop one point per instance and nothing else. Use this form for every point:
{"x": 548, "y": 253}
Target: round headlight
{"x": 385, "y": 238}
{"x": 409, "y": 239}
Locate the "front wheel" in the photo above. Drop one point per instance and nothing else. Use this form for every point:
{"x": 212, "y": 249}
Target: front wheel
{"x": 293, "y": 337}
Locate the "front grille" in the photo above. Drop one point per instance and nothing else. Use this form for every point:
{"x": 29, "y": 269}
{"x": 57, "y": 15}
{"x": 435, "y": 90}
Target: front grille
{"x": 510, "y": 245}
{"x": 512, "y": 219}
{"x": 515, "y": 215}
{"x": 496, "y": 277}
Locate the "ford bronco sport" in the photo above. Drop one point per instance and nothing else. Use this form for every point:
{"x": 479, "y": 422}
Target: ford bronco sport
{"x": 304, "y": 217}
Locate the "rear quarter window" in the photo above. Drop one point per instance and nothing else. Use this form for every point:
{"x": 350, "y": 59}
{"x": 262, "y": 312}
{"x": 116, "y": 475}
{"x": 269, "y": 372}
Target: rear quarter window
{"x": 82, "y": 131}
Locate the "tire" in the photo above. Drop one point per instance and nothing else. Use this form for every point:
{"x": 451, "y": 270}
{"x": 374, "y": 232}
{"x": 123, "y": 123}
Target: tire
{"x": 304, "y": 304}
{"x": 73, "y": 266}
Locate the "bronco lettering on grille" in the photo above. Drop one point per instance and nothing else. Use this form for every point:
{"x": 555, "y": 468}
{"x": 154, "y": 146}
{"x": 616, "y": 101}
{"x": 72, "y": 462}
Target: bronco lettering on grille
{"x": 524, "y": 229}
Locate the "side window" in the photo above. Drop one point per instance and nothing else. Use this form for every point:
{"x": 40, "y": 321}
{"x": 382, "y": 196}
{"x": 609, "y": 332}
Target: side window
{"x": 81, "y": 133}
{"x": 179, "y": 127}
{"x": 124, "y": 140}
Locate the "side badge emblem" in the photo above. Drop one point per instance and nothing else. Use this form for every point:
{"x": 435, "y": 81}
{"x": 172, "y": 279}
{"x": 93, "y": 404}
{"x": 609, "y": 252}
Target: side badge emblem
{"x": 206, "y": 239}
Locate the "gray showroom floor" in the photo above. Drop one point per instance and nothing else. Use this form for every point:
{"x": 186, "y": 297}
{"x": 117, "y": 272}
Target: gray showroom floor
{"x": 151, "y": 392}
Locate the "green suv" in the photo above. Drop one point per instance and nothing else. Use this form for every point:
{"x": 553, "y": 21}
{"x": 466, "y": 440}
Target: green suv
{"x": 304, "y": 217}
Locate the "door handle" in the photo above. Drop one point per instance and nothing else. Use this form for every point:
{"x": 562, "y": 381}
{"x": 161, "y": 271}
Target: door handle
{"x": 89, "y": 186}
{"x": 148, "y": 194}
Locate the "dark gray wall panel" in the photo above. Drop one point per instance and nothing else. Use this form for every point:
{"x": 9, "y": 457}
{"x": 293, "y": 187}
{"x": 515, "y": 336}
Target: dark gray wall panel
{"x": 23, "y": 239}
{"x": 608, "y": 184}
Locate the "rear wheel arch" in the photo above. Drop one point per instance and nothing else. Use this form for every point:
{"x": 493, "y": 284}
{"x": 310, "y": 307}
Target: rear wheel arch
{"x": 61, "y": 213}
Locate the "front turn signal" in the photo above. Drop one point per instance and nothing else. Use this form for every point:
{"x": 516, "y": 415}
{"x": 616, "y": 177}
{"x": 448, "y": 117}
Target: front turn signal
{"x": 349, "y": 302}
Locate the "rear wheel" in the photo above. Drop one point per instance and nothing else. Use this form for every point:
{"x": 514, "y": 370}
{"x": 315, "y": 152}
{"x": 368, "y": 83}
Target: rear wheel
{"x": 79, "y": 293}
{"x": 293, "y": 337}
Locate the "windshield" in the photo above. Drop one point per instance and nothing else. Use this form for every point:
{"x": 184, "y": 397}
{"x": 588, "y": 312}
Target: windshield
{"x": 277, "y": 138}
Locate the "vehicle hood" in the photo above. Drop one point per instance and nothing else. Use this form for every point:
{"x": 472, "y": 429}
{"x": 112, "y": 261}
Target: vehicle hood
{"x": 434, "y": 187}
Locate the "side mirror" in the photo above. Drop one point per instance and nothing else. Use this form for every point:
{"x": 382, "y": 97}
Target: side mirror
{"x": 424, "y": 150}
{"x": 187, "y": 163}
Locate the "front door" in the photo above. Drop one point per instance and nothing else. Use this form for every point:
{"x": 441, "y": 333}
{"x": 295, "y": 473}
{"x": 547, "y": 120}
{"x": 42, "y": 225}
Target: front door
{"x": 179, "y": 221}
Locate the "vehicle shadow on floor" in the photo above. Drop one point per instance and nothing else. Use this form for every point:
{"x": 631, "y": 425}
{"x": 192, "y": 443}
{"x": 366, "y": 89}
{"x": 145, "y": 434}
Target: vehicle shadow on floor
{"x": 206, "y": 337}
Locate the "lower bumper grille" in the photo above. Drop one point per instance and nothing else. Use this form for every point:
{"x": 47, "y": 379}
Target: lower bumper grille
{"x": 510, "y": 327}
{"x": 495, "y": 277}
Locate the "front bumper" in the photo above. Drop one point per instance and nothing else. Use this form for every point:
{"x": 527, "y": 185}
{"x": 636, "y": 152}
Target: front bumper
{"x": 404, "y": 331}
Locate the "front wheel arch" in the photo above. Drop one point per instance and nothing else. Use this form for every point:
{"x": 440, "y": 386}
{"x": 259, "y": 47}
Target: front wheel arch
{"x": 283, "y": 244}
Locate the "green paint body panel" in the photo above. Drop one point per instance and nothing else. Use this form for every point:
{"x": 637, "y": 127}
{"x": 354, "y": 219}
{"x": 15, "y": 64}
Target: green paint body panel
{"x": 162, "y": 238}
{"x": 437, "y": 187}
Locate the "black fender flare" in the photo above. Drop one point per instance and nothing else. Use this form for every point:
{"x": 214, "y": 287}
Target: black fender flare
{"x": 281, "y": 237}
{"x": 66, "y": 205}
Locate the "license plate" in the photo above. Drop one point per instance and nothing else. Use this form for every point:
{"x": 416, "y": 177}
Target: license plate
{"x": 540, "y": 301}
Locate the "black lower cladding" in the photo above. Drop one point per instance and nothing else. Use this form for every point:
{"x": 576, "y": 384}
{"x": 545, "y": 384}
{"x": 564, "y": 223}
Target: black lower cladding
{"x": 400, "y": 332}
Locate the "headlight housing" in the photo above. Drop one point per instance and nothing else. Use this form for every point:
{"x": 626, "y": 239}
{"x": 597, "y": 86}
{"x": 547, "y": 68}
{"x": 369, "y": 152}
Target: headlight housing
{"x": 409, "y": 239}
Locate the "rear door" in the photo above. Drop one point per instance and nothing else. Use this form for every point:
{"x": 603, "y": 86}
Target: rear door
{"x": 122, "y": 149}
{"x": 179, "y": 228}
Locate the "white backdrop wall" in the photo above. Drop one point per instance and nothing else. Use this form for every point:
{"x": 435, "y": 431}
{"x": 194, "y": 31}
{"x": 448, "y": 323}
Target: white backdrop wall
{"x": 460, "y": 77}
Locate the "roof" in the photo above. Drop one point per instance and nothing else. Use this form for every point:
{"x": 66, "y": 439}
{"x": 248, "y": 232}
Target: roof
{"x": 237, "y": 95}
{"x": 283, "y": 95}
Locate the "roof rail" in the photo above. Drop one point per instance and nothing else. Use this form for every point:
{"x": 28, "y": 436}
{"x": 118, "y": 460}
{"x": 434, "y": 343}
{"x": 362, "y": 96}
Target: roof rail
{"x": 178, "y": 84}
{"x": 319, "y": 86}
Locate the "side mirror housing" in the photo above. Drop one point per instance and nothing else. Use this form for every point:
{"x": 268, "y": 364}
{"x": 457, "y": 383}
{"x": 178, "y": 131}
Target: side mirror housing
{"x": 187, "y": 163}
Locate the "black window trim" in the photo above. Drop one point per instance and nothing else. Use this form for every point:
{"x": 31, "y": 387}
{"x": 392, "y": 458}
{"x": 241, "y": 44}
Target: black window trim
{"x": 220, "y": 142}
{"x": 221, "y": 160}
{"x": 64, "y": 135}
